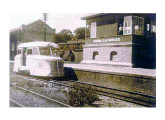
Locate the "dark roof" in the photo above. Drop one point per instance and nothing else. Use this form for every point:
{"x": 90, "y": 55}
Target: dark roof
{"x": 91, "y": 15}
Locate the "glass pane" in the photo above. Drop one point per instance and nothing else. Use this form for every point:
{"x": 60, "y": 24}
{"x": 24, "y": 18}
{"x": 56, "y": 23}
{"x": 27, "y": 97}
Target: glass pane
{"x": 45, "y": 51}
{"x": 125, "y": 24}
{"x": 129, "y": 24}
{"x": 54, "y": 52}
{"x": 19, "y": 51}
{"x": 29, "y": 51}
{"x": 35, "y": 51}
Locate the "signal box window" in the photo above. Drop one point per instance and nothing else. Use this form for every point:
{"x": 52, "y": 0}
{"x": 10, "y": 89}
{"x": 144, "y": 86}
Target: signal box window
{"x": 154, "y": 28}
{"x": 113, "y": 56}
{"x": 93, "y": 30}
{"x": 127, "y": 28}
{"x": 138, "y": 24}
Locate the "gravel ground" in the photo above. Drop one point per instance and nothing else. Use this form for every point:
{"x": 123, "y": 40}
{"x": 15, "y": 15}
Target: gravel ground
{"x": 112, "y": 102}
{"x": 30, "y": 100}
{"x": 11, "y": 104}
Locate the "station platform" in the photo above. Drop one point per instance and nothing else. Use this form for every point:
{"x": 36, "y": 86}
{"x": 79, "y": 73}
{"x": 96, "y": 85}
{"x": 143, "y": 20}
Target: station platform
{"x": 113, "y": 70}
{"x": 138, "y": 80}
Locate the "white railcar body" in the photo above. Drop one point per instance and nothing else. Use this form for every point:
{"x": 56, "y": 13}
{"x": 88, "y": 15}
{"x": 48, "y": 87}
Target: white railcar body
{"x": 39, "y": 59}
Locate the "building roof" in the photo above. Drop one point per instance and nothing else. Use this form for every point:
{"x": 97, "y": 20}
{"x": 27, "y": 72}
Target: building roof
{"x": 91, "y": 15}
{"x": 19, "y": 28}
{"x": 15, "y": 29}
{"x": 38, "y": 44}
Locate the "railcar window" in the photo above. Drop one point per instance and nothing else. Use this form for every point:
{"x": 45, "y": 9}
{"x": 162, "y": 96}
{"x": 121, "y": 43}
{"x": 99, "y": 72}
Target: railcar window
{"x": 45, "y": 51}
{"x": 54, "y": 52}
{"x": 35, "y": 51}
{"x": 29, "y": 52}
{"x": 19, "y": 51}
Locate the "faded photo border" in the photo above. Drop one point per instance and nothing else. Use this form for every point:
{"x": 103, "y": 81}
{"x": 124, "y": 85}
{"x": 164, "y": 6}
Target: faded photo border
{"x": 86, "y": 6}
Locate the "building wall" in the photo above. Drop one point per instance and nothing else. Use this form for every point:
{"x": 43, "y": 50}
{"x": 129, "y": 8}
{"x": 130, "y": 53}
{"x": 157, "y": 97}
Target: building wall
{"x": 124, "y": 53}
{"x": 36, "y": 31}
{"x": 78, "y": 55}
{"x": 123, "y": 39}
{"x": 106, "y": 30}
{"x": 144, "y": 51}
{"x": 28, "y": 37}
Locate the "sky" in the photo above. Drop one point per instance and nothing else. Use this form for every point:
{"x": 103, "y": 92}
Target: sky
{"x": 58, "y": 21}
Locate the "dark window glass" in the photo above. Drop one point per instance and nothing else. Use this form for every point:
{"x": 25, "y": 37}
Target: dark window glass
{"x": 95, "y": 54}
{"x": 19, "y": 51}
{"x": 125, "y": 24}
{"x": 29, "y": 52}
{"x": 113, "y": 56}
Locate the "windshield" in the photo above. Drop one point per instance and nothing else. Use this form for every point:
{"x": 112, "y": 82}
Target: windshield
{"x": 45, "y": 51}
{"x": 48, "y": 51}
{"x": 54, "y": 51}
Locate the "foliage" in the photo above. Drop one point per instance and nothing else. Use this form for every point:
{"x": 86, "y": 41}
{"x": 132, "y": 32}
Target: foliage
{"x": 64, "y": 36}
{"x": 80, "y": 33}
{"x": 81, "y": 95}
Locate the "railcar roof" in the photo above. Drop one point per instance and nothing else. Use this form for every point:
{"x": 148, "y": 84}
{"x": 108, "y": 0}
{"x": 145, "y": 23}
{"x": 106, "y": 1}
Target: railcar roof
{"x": 38, "y": 44}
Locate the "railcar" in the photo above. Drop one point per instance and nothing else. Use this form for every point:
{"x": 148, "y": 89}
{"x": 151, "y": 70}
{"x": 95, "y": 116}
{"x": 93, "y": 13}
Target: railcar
{"x": 39, "y": 59}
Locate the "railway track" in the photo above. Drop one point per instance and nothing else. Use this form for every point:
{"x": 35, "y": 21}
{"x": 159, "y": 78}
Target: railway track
{"x": 133, "y": 97}
{"x": 37, "y": 94}
{"x": 16, "y": 103}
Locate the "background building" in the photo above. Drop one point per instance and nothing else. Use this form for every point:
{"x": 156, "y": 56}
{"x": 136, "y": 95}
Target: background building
{"x": 27, "y": 33}
{"x": 121, "y": 39}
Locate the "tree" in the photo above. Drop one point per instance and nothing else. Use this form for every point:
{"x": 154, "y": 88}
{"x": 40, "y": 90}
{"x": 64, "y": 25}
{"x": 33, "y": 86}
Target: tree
{"x": 63, "y": 36}
{"x": 80, "y": 33}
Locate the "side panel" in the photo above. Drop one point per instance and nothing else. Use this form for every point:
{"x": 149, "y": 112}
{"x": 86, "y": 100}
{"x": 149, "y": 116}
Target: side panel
{"x": 17, "y": 63}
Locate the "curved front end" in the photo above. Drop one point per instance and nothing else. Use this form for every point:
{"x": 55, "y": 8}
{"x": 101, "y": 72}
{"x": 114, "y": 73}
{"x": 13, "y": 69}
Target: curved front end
{"x": 47, "y": 67}
{"x": 57, "y": 68}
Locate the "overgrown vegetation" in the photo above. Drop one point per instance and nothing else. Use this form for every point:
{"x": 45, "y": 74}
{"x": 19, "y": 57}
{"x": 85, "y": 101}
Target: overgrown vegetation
{"x": 81, "y": 95}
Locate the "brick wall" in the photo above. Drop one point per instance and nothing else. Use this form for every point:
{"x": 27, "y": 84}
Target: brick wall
{"x": 124, "y": 53}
